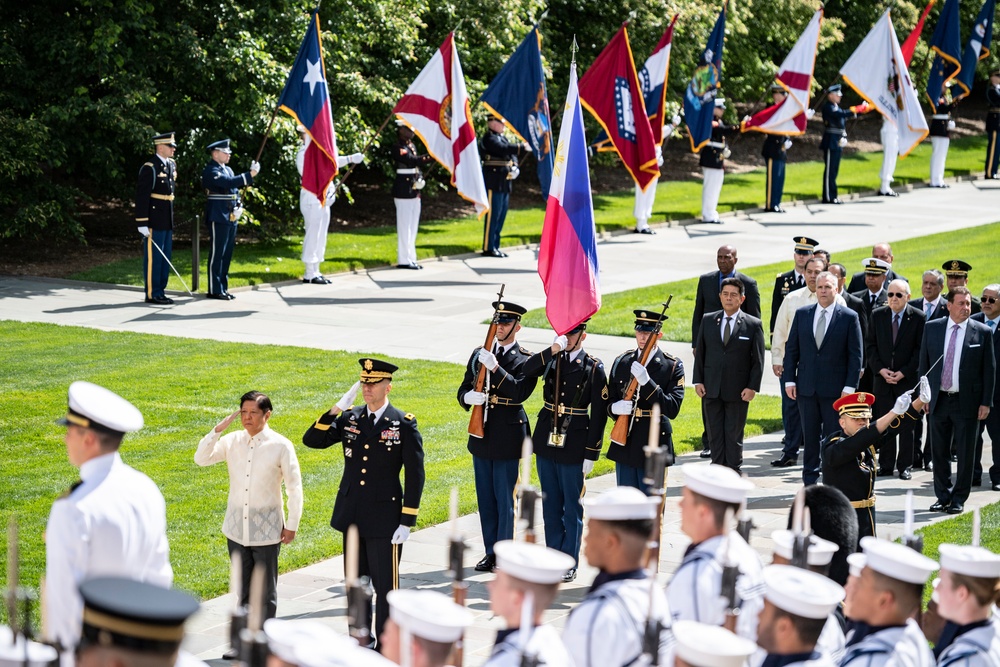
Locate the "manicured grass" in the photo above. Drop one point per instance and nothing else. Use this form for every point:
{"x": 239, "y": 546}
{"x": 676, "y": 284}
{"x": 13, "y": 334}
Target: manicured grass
{"x": 958, "y": 530}
{"x": 677, "y": 200}
{"x": 912, "y": 257}
{"x": 183, "y": 389}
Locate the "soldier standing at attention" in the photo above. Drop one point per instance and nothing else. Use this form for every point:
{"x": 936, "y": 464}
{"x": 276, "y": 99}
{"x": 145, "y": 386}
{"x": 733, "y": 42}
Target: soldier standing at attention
{"x": 775, "y": 152}
{"x": 993, "y": 126}
{"x": 154, "y": 215}
{"x": 940, "y": 132}
{"x": 499, "y": 170}
{"x": 495, "y": 456}
{"x": 406, "y": 195}
{"x": 712, "y": 159}
{"x": 661, "y": 382}
{"x": 379, "y": 441}
{"x": 834, "y": 139}
{"x": 222, "y": 213}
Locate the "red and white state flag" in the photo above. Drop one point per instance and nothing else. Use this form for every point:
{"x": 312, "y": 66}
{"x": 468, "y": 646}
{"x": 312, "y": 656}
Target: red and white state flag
{"x": 436, "y": 108}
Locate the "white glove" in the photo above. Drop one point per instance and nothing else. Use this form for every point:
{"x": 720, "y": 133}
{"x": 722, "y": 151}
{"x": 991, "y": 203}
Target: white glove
{"x": 746, "y": 119}
{"x": 640, "y": 373}
{"x": 526, "y": 146}
{"x": 487, "y": 358}
{"x": 787, "y": 144}
{"x": 356, "y": 158}
{"x": 902, "y": 404}
{"x": 843, "y": 142}
{"x": 561, "y": 341}
{"x": 514, "y": 173}
{"x": 255, "y": 166}
{"x": 236, "y": 214}
{"x": 401, "y": 535}
{"x": 588, "y": 465}
{"x": 924, "y": 389}
{"x": 951, "y": 125}
{"x": 474, "y": 397}
{"x": 347, "y": 400}
{"x": 676, "y": 120}
{"x": 810, "y": 113}
{"x": 621, "y": 408}
{"x": 419, "y": 183}
{"x": 331, "y": 196}
{"x": 143, "y": 230}
{"x": 726, "y": 152}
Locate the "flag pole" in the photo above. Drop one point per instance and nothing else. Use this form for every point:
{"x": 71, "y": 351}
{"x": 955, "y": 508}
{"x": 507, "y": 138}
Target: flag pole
{"x": 364, "y": 150}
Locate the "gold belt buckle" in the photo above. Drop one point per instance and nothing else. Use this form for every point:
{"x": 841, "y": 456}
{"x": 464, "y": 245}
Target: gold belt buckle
{"x": 556, "y": 440}
{"x": 493, "y": 399}
{"x": 561, "y": 410}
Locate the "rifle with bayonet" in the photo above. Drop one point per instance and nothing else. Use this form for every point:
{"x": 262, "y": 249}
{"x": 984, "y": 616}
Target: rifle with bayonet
{"x": 744, "y": 522}
{"x": 800, "y": 532}
{"x": 253, "y": 642}
{"x": 477, "y": 415}
{"x": 359, "y": 593}
{"x": 527, "y": 495}
{"x": 456, "y": 570}
{"x": 238, "y": 614}
{"x": 655, "y": 480}
{"x": 730, "y": 576}
{"x": 623, "y": 423}
{"x": 915, "y": 542}
{"x": 18, "y": 600}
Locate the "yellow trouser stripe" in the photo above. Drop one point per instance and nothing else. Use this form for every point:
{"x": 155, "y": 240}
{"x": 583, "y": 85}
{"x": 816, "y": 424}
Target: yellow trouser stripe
{"x": 489, "y": 221}
{"x": 770, "y": 177}
{"x": 395, "y": 566}
{"x": 990, "y": 153}
{"x": 149, "y": 265}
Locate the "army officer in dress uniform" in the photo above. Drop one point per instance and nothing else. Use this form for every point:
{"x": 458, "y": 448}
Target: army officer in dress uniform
{"x": 499, "y": 171}
{"x": 406, "y": 195}
{"x": 957, "y": 274}
{"x": 834, "y": 139}
{"x": 568, "y": 435}
{"x": 154, "y": 216}
{"x": 660, "y": 381}
{"x": 712, "y": 160}
{"x": 222, "y": 213}
{"x": 379, "y": 440}
{"x": 496, "y": 455}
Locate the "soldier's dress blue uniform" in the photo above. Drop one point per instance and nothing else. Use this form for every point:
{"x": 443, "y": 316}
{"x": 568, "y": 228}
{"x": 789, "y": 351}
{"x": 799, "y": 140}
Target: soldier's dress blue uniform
{"x": 154, "y": 208}
{"x": 497, "y": 164}
{"x": 835, "y": 120}
{"x": 579, "y": 435}
{"x": 992, "y": 130}
{"x": 223, "y": 188}
{"x": 775, "y": 155}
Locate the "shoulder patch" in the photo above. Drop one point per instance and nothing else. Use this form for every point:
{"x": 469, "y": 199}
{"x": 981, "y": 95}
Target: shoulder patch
{"x": 408, "y": 416}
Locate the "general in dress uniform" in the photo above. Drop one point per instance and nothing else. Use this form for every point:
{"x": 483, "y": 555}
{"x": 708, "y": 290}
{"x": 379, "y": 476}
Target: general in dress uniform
{"x": 154, "y": 216}
{"x": 618, "y": 604}
{"x": 660, "y": 382}
{"x": 775, "y": 153}
{"x": 834, "y": 139}
{"x": 568, "y": 435}
{"x": 222, "y": 213}
{"x": 712, "y": 160}
{"x": 406, "y": 196}
{"x": 379, "y": 441}
{"x": 500, "y": 160}
{"x": 495, "y": 456}
{"x": 940, "y": 133}
{"x": 966, "y": 598}
{"x": 993, "y": 126}
{"x": 111, "y": 523}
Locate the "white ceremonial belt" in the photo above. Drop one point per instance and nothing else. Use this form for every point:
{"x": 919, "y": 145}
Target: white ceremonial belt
{"x": 941, "y": 116}
{"x": 412, "y": 170}
{"x": 715, "y": 144}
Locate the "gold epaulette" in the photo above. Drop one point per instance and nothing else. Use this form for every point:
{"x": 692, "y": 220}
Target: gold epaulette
{"x": 409, "y": 417}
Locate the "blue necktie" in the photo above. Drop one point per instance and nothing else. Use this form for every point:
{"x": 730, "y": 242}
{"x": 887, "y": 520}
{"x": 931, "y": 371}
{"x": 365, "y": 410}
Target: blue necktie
{"x": 929, "y": 308}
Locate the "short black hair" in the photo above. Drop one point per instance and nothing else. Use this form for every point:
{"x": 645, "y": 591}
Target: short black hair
{"x": 735, "y": 282}
{"x": 261, "y": 399}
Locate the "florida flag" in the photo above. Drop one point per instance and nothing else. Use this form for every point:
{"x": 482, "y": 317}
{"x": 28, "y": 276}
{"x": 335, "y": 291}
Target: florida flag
{"x": 567, "y": 258}
{"x": 436, "y": 108}
{"x": 307, "y": 100}
{"x": 788, "y": 117}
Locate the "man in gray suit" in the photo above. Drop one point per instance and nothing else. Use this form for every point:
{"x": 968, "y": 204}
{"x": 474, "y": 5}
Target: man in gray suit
{"x": 956, "y": 355}
{"x": 728, "y": 366}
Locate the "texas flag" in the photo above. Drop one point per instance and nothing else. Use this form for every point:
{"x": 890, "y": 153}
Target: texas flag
{"x": 567, "y": 258}
{"x": 436, "y": 108}
{"x": 788, "y": 117}
{"x": 307, "y": 100}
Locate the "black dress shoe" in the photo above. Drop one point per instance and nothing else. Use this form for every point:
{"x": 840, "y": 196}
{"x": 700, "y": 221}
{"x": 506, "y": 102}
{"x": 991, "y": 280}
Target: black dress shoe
{"x": 318, "y": 280}
{"x": 784, "y": 461}
{"x": 220, "y": 297}
{"x": 229, "y": 297}
{"x": 706, "y": 454}
{"x": 884, "y": 472}
{"x": 940, "y": 506}
{"x": 160, "y": 301}
{"x": 955, "y": 508}
{"x": 774, "y": 209}
{"x": 996, "y": 487}
{"x": 929, "y": 466}
{"x": 493, "y": 253}
{"x": 414, "y": 267}
{"x": 712, "y": 222}
{"x": 487, "y": 564}
{"x": 905, "y": 474}
{"x": 569, "y": 576}
{"x": 647, "y": 230}
{"x": 231, "y": 654}
{"x": 890, "y": 193}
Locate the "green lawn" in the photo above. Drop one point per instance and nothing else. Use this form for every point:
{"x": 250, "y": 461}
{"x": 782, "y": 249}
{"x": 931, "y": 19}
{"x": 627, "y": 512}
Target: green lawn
{"x": 958, "y": 530}
{"x": 184, "y": 387}
{"x": 677, "y": 200}
{"x": 912, "y": 257}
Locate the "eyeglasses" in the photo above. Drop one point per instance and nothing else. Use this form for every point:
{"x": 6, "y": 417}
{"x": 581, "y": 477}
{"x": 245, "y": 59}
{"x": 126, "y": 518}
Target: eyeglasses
{"x": 898, "y": 295}
{"x": 990, "y": 299}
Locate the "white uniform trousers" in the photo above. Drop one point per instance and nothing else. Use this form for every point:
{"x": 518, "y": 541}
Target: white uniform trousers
{"x": 643, "y": 210}
{"x": 939, "y": 155}
{"x": 317, "y": 227}
{"x": 711, "y": 188}
{"x": 407, "y": 221}
{"x": 890, "y": 152}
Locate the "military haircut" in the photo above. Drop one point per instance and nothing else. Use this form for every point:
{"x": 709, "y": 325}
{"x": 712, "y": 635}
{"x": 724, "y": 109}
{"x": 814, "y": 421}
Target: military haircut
{"x": 908, "y": 596}
{"x": 437, "y": 652}
{"x": 808, "y": 629}
{"x": 718, "y": 507}
{"x": 834, "y": 519}
{"x": 109, "y": 442}
{"x": 544, "y": 593}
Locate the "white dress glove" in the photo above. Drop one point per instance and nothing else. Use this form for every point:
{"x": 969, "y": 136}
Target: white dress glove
{"x": 640, "y": 373}
{"x": 561, "y": 341}
{"x": 787, "y": 144}
{"x": 924, "y": 389}
{"x": 676, "y": 120}
{"x": 419, "y": 183}
{"x": 902, "y": 404}
{"x": 474, "y": 397}
{"x": 621, "y": 408}
{"x": 526, "y": 146}
{"x": 143, "y": 230}
{"x": 487, "y": 358}
{"x": 951, "y": 125}
{"x": 347, "y": 400}
{"x": 514, "y": 173}
{"x": 588, "y": 466}
{"x": 810, "y": 113}
{"x": 401, "y": 535}
{"x": 842, "y": 142}
{"x": 356, "y": 158}
{"x": 331, "y": 196}
{"x": 236, "y": 214}
{"x": 746, "y": 119}
{"x": 255, "y": 166}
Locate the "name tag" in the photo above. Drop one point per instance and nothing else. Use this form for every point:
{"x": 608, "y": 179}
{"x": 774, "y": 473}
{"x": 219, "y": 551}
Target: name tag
{"x": 976, "y": 345}
{"x": 744, "y": 337}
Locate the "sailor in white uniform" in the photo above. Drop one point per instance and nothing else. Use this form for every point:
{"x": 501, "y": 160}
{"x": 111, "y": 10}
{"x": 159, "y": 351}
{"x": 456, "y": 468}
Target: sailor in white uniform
{"x": 307, "y": 642}
{"x": 423, "y": 628}
{"x": 703, "y": 645}
{"x": 967, "y": 598}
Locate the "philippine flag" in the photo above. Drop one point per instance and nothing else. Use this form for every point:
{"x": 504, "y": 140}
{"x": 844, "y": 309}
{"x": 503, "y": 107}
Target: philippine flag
{"x": 567, "y": 258}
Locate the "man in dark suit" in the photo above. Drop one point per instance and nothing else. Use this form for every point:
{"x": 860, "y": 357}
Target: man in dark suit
{"x": 881, "y": 251}
{"x": 854, "y": 303}
{"x": 893, "y": 346}
{"x": 789, "y": 281}
{"x": 728, "y": 366}
{"x": 872, "y": 296}
{"x": 957, "y": 273}
{"x": 990, "y": 316}
{"x": 956, "y": 355}
{"x": 931, "y": 303}
{"x": 822, "y": 363}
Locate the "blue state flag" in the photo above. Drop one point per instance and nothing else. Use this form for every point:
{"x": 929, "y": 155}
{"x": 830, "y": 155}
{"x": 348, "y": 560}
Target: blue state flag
{"x": 978, "y": 46}
{"x": 517, "y": 95}
{"x": 699, "y": 98}
{"x": 947, "y": 46}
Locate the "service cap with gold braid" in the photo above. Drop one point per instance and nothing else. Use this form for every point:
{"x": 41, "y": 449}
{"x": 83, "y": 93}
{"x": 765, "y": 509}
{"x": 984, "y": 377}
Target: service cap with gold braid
{"x": 646, "y": 320}
{"x": 508, "y": 312}
{"x": 805, "y": 245}
{"x": 165, "y": 139}
{"x": 134, "y": 615}
{"x": 875, "y": 266}
{"x": 956, "y": 268}
{"x": 92, "y": 406}
{"x": 376, "y": 370}
{"x": 859, "y": 405}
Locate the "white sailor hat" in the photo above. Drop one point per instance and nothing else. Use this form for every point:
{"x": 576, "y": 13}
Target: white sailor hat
{"x": 316, "y": 654}
{"x": 622, "y": 503}
{"x": 93, "y": 406}
{"x": 428, "y": 614}
{"x": 703, "y": 645}
{"x": 856, "y": 563}
{"x": 715, "y": 481}
{"x": 801, "y": 592}
{"x": 13, "y": 653}
{"x": 820, "y": 551}
{"x": 896, "y": 561}
{"x": 284, "y": 637}
{"x": 532, "y": 562}
{"x": 970, "y": 561}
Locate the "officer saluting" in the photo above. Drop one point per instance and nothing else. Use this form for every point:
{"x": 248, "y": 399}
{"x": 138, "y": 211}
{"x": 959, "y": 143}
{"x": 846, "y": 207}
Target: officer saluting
{"x": 568, "y": 435}
{"x": 222, "y": 213}
{"x": 406, "y": 195}
{"x": 154, "y": 216}
{"x": 379, "y": 441}
{"x": 499, "y": 171}
{"x": 834, "y": 139}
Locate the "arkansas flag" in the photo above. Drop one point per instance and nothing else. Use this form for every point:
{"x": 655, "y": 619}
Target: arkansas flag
{"x": 788, "y": 117}
{"x": 611, "y": 92}
{"x": 436, "y": 108}
{"x": 877, "y": 70}
{"x": 567, "y": 257}
{"x": 307, "y": 100}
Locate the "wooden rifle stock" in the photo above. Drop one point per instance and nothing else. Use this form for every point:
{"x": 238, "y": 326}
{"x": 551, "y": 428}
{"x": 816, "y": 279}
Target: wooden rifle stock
{"x": 477, "y": 415}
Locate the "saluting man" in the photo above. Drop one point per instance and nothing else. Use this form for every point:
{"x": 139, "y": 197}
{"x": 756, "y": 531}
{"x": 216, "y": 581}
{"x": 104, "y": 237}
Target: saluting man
{"x": 993, "y": 126}
{"x": 222, "y": 214}
{"x": 835, "y": 138}
{"x": 379, "y": 441}
{"x": 154, "y": 216}
{"x": 406, "y": 195}
{"x": 499, "y": 171}
{"x": 660, "y": 381}
{"x": 568, "y": 435}
{"x": 712, "y": 160}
